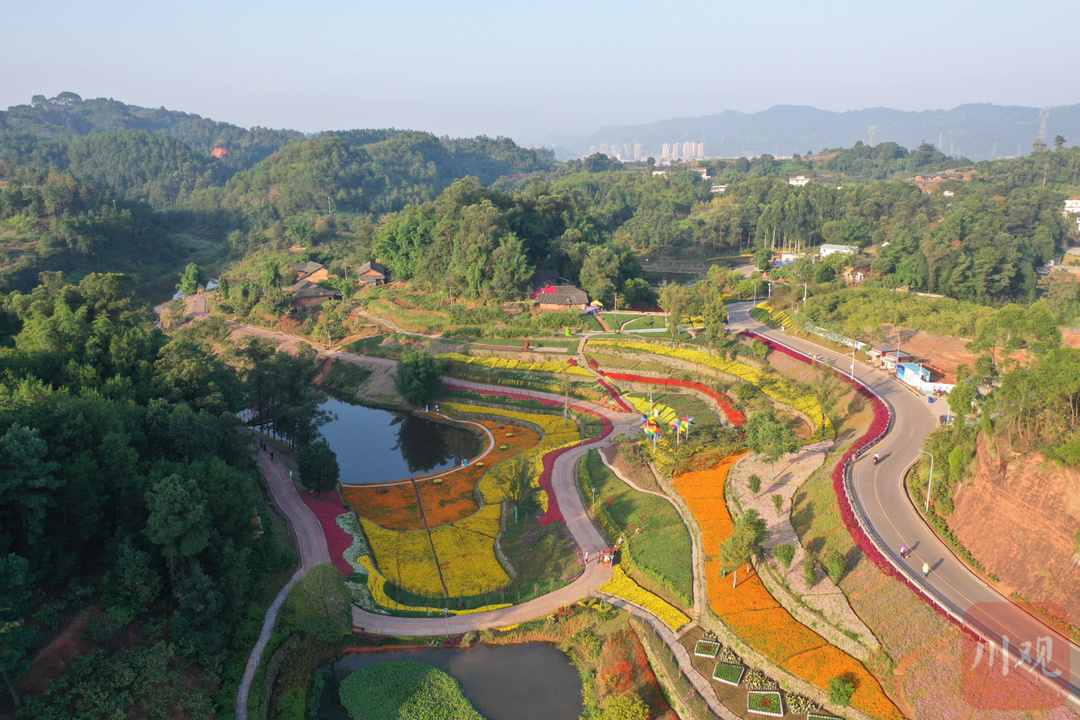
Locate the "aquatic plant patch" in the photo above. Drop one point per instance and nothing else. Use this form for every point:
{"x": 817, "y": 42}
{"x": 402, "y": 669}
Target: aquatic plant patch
{"x": 405, "y": 690}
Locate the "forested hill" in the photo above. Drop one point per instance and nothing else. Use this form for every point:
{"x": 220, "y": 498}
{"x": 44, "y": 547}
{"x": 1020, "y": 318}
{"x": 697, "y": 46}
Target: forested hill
{"x": 68, "y": 114}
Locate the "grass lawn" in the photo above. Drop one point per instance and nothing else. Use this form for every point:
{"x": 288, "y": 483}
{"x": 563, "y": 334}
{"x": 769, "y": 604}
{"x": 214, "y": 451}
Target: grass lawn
{"x": 591, "y": 323}
{"x": 659, "y": 543}
{"x": 646, "y": 322}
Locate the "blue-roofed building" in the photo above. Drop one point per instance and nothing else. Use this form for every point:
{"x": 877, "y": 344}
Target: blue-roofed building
{"x": 912, "y": 373}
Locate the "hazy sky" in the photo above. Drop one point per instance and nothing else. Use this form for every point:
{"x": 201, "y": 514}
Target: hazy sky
{"x": 499, "y": 67}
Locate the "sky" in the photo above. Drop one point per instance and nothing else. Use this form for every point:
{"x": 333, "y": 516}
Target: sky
{"x": 534, "y": 70}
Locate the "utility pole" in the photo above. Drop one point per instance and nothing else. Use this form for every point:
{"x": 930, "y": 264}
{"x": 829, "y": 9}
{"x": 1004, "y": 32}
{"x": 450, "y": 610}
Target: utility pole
{"x": 930, "y": 483}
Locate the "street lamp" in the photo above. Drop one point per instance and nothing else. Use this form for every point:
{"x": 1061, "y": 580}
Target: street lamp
{"x": 929, "y": 483}
{"x": 803, "y": 290}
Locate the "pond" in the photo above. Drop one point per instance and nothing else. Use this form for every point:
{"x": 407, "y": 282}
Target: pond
{"x": 375, "y": 446}
{"x": 533, "y": 681}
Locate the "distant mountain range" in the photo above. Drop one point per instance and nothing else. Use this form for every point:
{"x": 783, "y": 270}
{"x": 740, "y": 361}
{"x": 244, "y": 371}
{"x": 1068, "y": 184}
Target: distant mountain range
{"x": 976, "y": 131}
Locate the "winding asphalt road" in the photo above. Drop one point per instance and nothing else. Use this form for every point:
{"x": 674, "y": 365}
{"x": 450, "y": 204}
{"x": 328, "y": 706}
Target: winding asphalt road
{"x": 891, "y": 520}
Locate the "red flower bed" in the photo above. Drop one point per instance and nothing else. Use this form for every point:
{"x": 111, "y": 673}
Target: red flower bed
{"x": 553, "y": 514}
{"x": 615, "y": 396}
{"x": 736, "y": 417}
{"x": 878, "y": 427}
{"x": 326, "y": 508}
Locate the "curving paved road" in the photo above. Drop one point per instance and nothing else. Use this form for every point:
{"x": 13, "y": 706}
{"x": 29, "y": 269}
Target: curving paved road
{"x": 892, "y": 520}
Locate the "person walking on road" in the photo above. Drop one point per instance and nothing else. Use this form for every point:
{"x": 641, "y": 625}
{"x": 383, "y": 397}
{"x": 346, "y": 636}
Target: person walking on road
{"x": 925, "y": 569}
{"x": 903, "y": 551}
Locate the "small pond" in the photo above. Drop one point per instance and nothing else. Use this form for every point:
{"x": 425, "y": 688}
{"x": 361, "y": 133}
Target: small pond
{"x": 375, "y": 446}
{"x": 534, "y": 681}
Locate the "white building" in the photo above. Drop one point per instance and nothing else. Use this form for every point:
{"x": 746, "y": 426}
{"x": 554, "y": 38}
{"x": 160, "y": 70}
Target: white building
{"x": 798, "y": 181}
{"x": 826, "y": 249}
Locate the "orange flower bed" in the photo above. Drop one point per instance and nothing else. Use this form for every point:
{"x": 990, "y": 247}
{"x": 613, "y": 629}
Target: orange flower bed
{"x": 454, "y": 498}
{"x": 754, "y": 615}
{"x": 774, "y": 633}
{"x": 392, "y": 506}
{"x": 451, "y": 499}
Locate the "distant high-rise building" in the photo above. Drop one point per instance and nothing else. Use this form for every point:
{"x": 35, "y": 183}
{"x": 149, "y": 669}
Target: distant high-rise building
{"x": 592, "y": 149}
{"x": 627, "y": 151}
{"x": 603, "y": 148}
{"x": 665, "y": 152}
{"x": 637, "y": 151}
{"x": 688, "y": 149}
{"x": 701, "y": 149}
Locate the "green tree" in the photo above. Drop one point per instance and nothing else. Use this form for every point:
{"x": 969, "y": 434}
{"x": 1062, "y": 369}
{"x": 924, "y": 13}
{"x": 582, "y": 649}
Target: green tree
{"x": 131, "y": 585}
{"x": 769, "y": 438}
{"x": 600, "y": 274}
{"x": 16, "y": 605}
{"x": 178, "y": 519}
{"x": 841, "y": 688}
{"x": 318, "y": 466}
{"x": 510, "y": 269}
{"x": 418, "y": 377}
{"x": 745, "y": 542}
{"x": 321, "y": 604}
{"x": 190, "y": 279}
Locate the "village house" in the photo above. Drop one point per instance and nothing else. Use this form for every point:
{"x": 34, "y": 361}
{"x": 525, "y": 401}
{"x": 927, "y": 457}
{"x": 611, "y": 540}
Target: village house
{"x": 311, "y": 271}
{"x": 887, "y": 357}
{"x": 561, "y": 297}
{"x": 798, "y": 181}
{"x": 372, "y": 273}
{"x": 308, "y": 294}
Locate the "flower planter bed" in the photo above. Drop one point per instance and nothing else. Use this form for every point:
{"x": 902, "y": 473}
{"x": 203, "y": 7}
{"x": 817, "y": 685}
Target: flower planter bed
{"x": 783, "y": 393}
{"x": 765, "y": 702}
{"x": 706, "y": 648}
{"x": 736, "y": 417}
{"x": 728, "y": 673}
{"x": 819, "y": 716}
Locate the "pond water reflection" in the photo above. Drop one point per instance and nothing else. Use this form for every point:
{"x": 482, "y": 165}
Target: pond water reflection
{"x": 375, "y": 445}
{"x": 534, "y": 681}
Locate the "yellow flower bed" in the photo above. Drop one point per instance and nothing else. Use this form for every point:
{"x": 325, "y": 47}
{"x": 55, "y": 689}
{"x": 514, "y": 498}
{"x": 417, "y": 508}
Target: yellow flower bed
{"x": 622, "y": 586}
{"x": 779, "y": 391}
{"x": 466, "y": 552}
{"x": 664, "y": 413}
{"x": 556, "y": 435}
{"x": 405, "y": 557}
{"x": 376, "y": 583}
{"x": 499, "y": 363}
